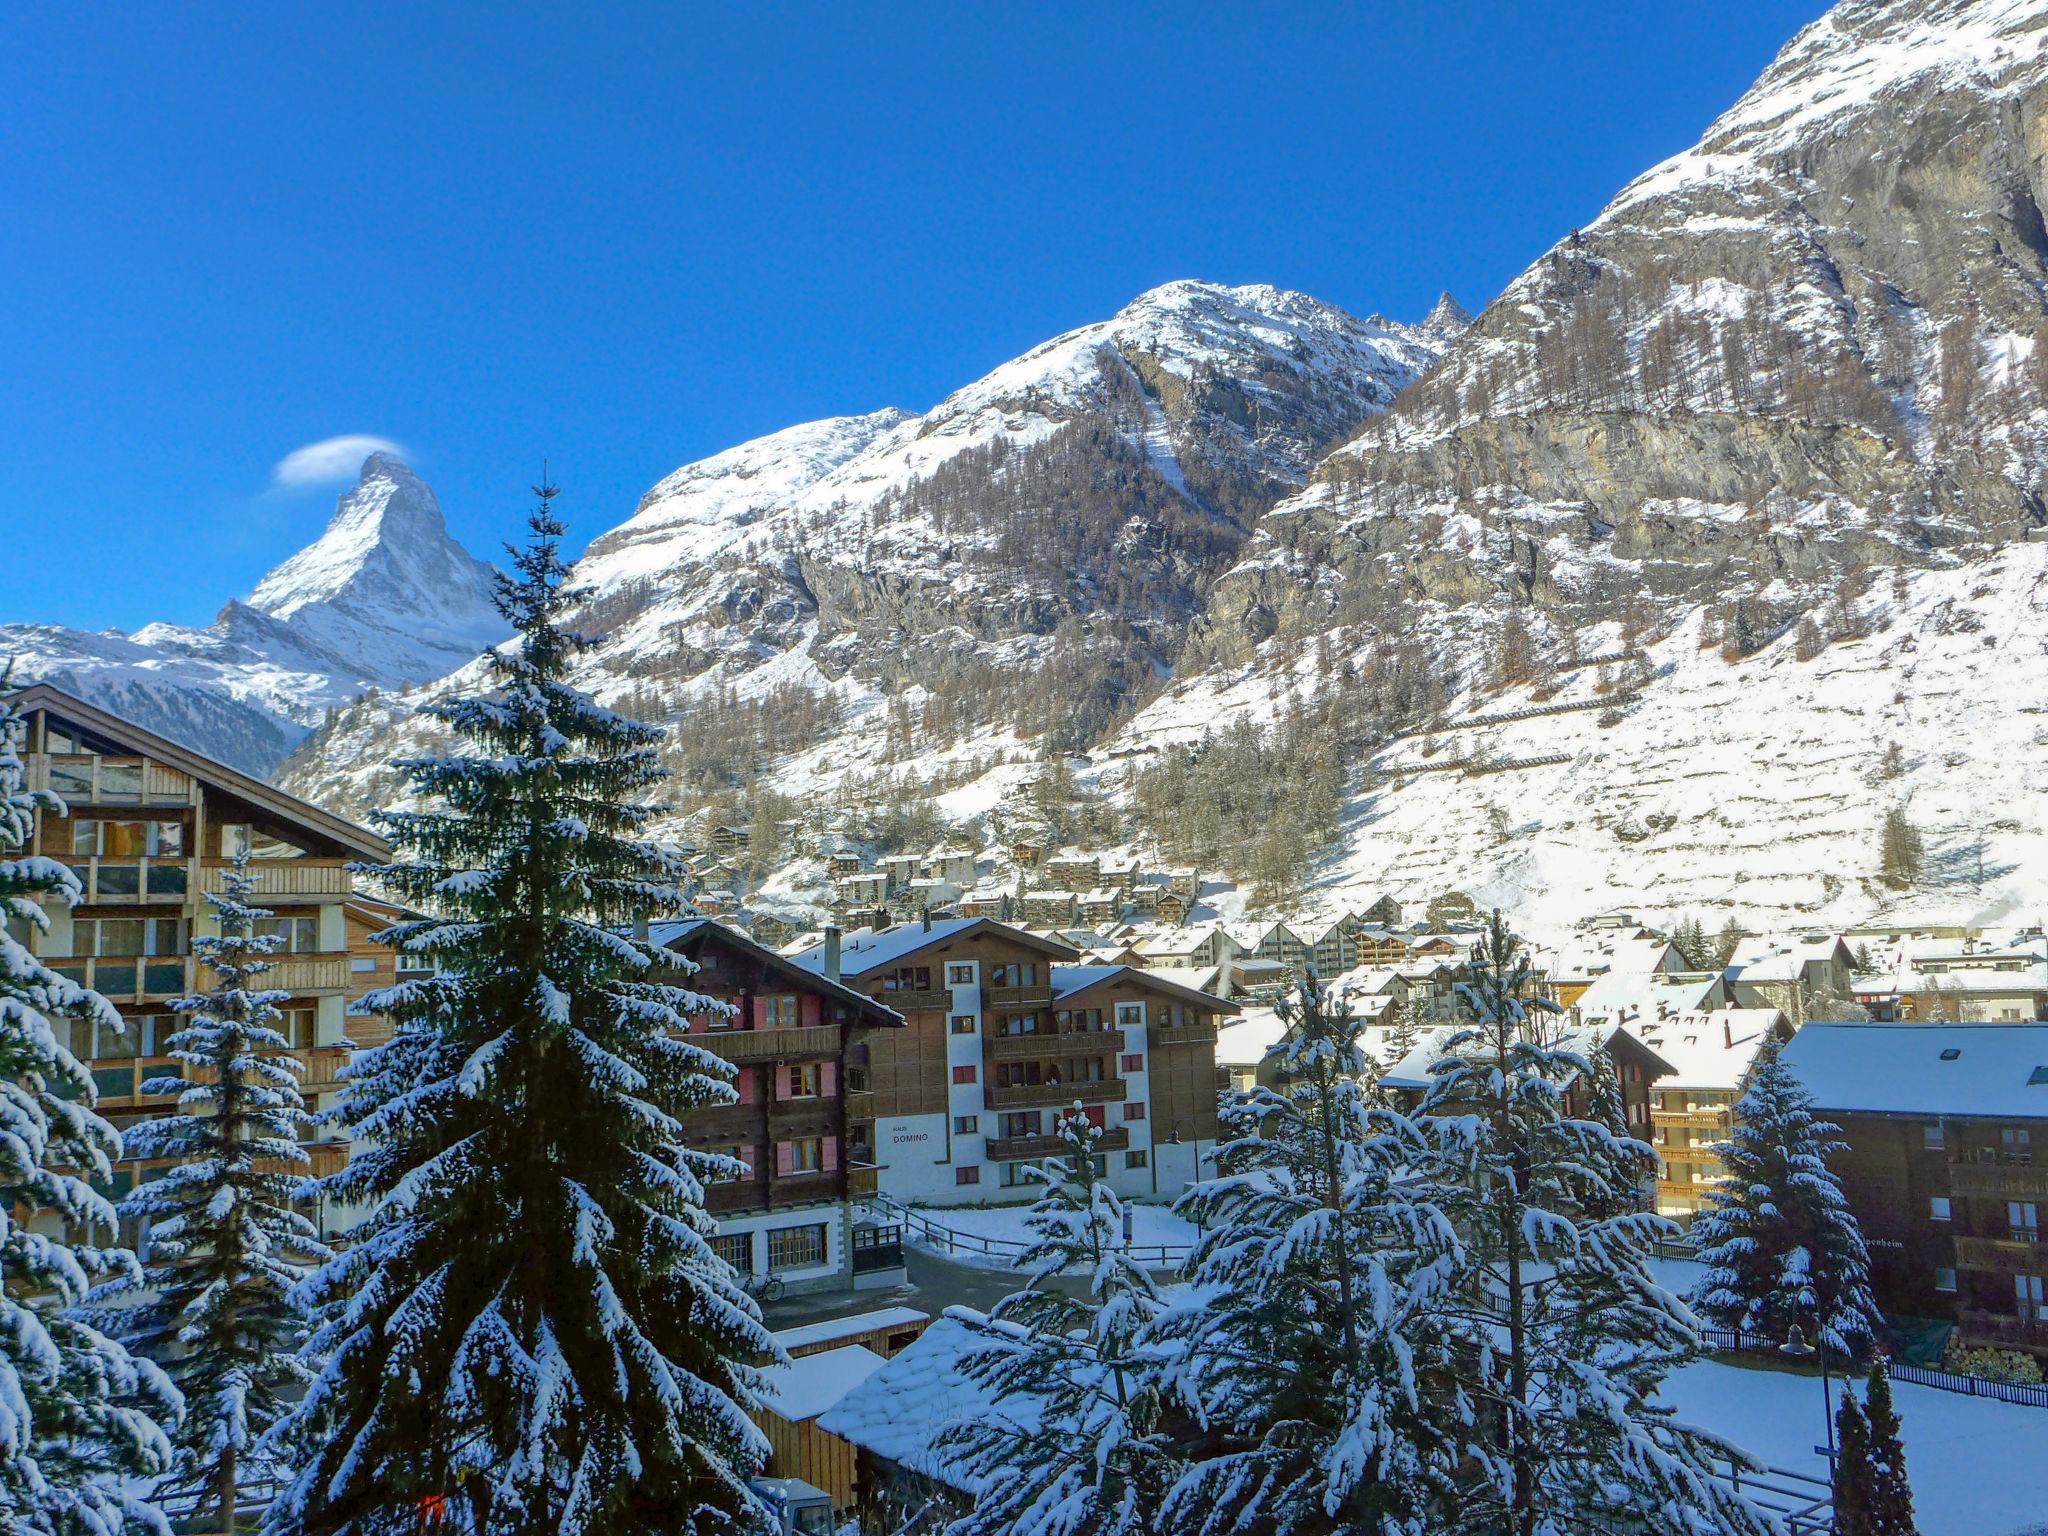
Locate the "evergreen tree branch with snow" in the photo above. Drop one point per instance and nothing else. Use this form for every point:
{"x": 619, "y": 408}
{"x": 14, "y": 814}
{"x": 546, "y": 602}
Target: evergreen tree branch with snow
{"x": 80, "y": 1417}
{"x": 1079, "y": 1449}
{"x": 1780, "y": 1245}
{"x": 529, "y": 1329}
{"x": 1565, "y": 1335}
{"x": 214, "y": 1302}
{"x": 1307, "y": 1346}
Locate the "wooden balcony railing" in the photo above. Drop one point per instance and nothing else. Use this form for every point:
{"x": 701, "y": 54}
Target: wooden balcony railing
{"x": 1037, "y": 996}
{"x": 129, "y": 979}
{"x": 1997, "y": 1181}
{"x": 2001, "y": 1256}
{"x": 1051, "y": 1044}
{"x": 936, "y": 1000}
{"x": 1053, "y": 1095}
{"x": 779, "y": 1193}
{"x": 1690, "y": 1119}
{"x": 862, "y": 1180}
{"x": 1684, "y": 1189}
{"x": 308, "y": 975}
{"x": 283, "y": 877}
{"x": 809, "y": 1042}
{"x": 2003, "y": 1330}
{"x": 1006, "y": 1148}
{"x": 324, "y": 1066}
{"x": 154, "y": 784}
{"x": 1185, "y": 1034}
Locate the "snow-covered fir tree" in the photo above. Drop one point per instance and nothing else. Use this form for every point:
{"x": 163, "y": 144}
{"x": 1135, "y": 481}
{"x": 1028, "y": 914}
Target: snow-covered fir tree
{"x": 1078, "y": 1446}
{"x": 529, "y": 1330}
{"x": 1780, "y": 1246}
{"x": 1309, "y": 1350}
{"x": 1854, "y": 1472}
{"x": 80, "y": 1417}
{"x": 1890, "y": 1502}
{"x": 214, "y": 1303}
{"x": 1565, "y": 1335}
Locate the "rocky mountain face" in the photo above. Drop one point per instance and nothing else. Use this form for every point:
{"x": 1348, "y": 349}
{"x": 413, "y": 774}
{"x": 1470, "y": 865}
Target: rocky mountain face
{"x": 385, "y": 598}
{"x": 1776, "y": 419}
{"x": 1031, "y": 552}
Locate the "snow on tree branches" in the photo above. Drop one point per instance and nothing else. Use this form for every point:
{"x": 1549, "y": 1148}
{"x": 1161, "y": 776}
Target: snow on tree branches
{"x": 79, "y": 1416}
{"x": 530, "y": 1329}
{"x": 214, "y": 1303}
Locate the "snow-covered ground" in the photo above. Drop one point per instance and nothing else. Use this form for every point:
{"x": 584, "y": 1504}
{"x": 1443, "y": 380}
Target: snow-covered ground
{"x": 1151, "y": 1226}
{"x": 1978, "y": 1467}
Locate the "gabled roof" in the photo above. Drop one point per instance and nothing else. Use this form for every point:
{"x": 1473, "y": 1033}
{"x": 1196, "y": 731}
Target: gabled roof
{"x": 677, "y": 932}
{"x": 1980, "y": 1070}
{"x": 811, "y": 1384}
{"x": 1067, "y": 980}
{"x": 865, "y": 949}
{"x": 1415, "y": 1070}
{"x": 1712, "y": 1051}
{"x": 359, "y": 841}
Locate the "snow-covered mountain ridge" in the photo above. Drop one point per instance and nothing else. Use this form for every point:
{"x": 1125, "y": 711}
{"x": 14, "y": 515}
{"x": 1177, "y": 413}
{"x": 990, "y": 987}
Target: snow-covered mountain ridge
{"x": 1060, "y": 517}
{"x": 384, "y": 598}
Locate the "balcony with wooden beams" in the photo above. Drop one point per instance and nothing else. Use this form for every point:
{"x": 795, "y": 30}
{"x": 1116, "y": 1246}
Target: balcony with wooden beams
{"x": 1006, "y": 1148}
{"x": 1055, "y": 1044}
{"x": 282, "y": 879}
{"x": 931, "y": 1000}
{"x": 1998, "y": 1181}
{"x": 1053, "y": 1095}
{"x": 308, "y": 975}
{"x": 1037, "y": 996}
{"x": 2002, "y": 1256}
{"x": 1203, "y": 1033}
{"x": 809, "y": 1042}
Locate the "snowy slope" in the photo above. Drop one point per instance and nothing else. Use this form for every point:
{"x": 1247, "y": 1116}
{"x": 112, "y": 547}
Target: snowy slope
{"x": 877, "y": 556}
{"x": 383, "y": 599}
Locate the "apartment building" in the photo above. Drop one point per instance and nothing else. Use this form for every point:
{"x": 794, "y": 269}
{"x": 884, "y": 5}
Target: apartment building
{"x": 804, "y": 1125}
{"x": 151, "y": 830}
{"x": 1003, "y": 1034}
{"x": 1693, "y": 1107}
{"x": 1944, "y": 1125}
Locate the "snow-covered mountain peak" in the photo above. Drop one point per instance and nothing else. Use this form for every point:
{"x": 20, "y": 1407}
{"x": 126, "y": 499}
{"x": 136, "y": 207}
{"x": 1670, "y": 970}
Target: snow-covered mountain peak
{"x": 389, "y": 516}
{"x": 1446, "y": 317}
{"x": 1852, "y": 61}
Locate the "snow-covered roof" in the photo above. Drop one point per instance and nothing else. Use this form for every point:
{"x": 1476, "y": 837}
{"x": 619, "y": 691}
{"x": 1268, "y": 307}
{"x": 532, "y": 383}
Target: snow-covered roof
{"x": 1244, "y": 1042}
{"x": 1996, "y": 1070}
{"x": 1625, "y": 996}
{"x": 1415, "y": 1070}
{"x": 807, "y": 1334}
{"x": 899, "y": 1411}
{"x": 676, "y": 931}
{"x": 1588, "y": 957}
{"x": 1768, "y": 960}
{"x": 863, "y": 949}
{"x": 1196, "y": 978}
{"x": 810, "y": 1384}
{"x": 1069, "y": 979}
{"x": 1708, "y": 1050}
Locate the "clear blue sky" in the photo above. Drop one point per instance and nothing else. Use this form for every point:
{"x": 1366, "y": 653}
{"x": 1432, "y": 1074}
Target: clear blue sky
{"x": 625, "y": 236}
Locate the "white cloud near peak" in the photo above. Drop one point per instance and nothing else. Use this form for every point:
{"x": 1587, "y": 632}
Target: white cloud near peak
{"x": 328, "y": 461}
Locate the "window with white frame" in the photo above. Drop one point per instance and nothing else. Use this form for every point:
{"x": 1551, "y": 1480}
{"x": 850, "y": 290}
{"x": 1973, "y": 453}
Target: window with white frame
{"x": 796, "y": 1247}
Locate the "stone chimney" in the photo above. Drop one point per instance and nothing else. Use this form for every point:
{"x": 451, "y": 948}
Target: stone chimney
{"x": 881, "y": 919}
{"x": 926, "y": 913}
{"x": 832, "y": 952}
{"x": 1728, "y": 1034}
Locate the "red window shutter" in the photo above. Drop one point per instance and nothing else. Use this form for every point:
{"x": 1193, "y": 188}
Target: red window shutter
{"x": 760, "y": 1019}
{"x": 785, "y": 1157}
{"x": 831, "y": 1153}
{"x": 781, "y": 1076}
{"x": 963, "y": 1074}
{"x": 1134, "y": 1111}
{"x": 1093, "y": 1112}
{"x": 811, "y": 1009}
{"x": 743, "y": 1080}
{"x": 1134, "y": 1063}
{"x": 828, "y": 1080}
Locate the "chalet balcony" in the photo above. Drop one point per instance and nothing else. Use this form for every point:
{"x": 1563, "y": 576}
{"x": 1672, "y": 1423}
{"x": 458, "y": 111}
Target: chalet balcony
{"x": 2002, "y": 1256}
{"x": 1039, "y": 996}
{"x": 308, "y": 975}
{"x": 933, "y": 1000}
{"x": 1995, "y": 1181}
{"x": 862, "y": 1180}
{"x": 1050, "y": 1044}
{"x": 1053, "y": 1095}
{"x": 324, "y": 1066}
{"x": 2002, "y": 1330}
{"x": 130, "y": 978}
{"x": 1184, "y": 1034}
{"x": 1007, "y": 1148}
{"x": 1684, "y": 1189}
{"x": 783, "y": 1192}
{"x": 808, "y": 1043}
{"x": 1691, "y": 1119}
{"x": 326, "y": 878}
{"x": 88, "y": 780}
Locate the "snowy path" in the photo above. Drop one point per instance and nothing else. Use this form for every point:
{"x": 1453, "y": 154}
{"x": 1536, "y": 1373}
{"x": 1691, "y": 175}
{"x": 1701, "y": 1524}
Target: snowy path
{"x": 1979, "y": 1468}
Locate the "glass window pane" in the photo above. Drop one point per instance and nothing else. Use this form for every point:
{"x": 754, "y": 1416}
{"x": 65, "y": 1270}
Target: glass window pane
{"x": 114, "y": 1082}
{"x": 120, "y": 783}
{"x": 167, "y": 879}
{"x": 114, "y": 978}
{"x": 72, "y": 780}
{"x": 166, "y": 936}
{"x": 162, "y": 978}
{"x": 119, "y": 880}
{"x": 124, "y": 839}
{"x": 120, "y": 936}
{"x": 170, "y": 840}
{"x": 85, "y": 838}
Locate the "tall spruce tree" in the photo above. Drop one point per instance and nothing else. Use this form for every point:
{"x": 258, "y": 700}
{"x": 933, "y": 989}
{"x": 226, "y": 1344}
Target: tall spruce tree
{"x": 1854, "y": 1472}
{"x": 1079, "y": 1447}
{"x": 529, "y": 1330}
{"x": 80, "y": 1417}
{"x": 1780, "y": 1246}
{"x": 1891, "y": 1495}
{"x": 1309, "y": 1347}
{"x": 1565, "y": 1335}
{"x": 214, "y": 1304}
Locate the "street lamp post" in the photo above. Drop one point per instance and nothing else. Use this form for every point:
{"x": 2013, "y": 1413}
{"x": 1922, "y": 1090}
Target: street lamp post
{"x": 1795, "y": 1345}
